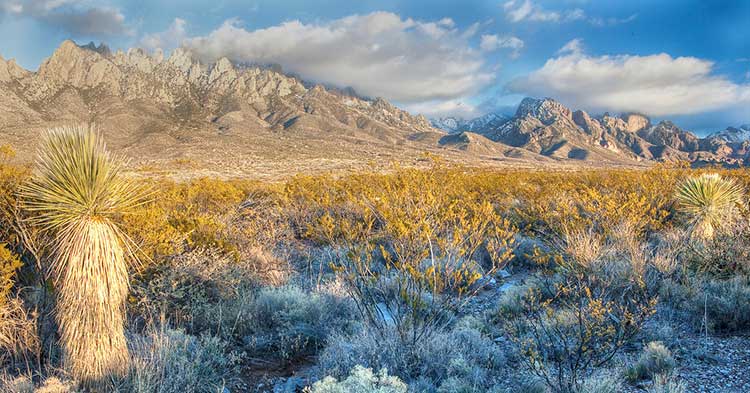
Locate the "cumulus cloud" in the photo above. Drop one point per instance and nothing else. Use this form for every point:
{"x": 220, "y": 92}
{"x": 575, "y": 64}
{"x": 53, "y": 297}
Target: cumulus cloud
{"x": 657, "y": 85}
{"x": 73, "y": 16}
{"x": 493, "y": 42}
{"x": 379, "y": 54}
{"x": 168, "y": 39}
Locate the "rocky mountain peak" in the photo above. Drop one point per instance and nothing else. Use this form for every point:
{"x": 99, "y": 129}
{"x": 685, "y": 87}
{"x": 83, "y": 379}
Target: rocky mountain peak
{"x": 101, "y": 49}
{"x": 546, "y": 110}
{"x": 733, "y": 134}
{"x": 182, "y": 59}
{"x": 10, "y": 70}
{"x": 636, "y": 121}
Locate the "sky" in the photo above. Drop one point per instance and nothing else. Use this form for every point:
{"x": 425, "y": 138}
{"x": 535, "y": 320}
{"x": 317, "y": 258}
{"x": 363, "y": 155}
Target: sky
{"x": 683, "y": 60}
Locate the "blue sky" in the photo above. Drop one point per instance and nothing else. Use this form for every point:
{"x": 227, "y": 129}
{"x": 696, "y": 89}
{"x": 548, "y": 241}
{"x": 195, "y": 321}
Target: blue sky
{"x": 688, "y": 61}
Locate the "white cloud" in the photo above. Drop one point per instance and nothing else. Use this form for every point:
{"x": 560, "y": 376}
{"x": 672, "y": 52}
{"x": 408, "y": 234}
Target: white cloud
{"x": 573, "y": 46}
{"x": 457, "y": 108}
{"x": 493, "y": 42}
{"x": 378, "y": 54}
{"x": 517, "y": 11}
{"x": 526, "y": 10}
{"x": 657, "y": 85}
{"x": 75, "y": 16}
{"x": 168, "y": 39}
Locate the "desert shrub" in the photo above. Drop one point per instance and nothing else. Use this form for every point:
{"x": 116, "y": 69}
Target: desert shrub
{"x": 201, "y": 290}
{"x": 709, "y": 203}
{"x": 724, "y": 255}
{"x": 461, "y": 357}
{"x": 10, "y": 179}
{"x": 598, "y": 303}
{"x": 601, "y": 383}
{"x": 25, "y": 384}
{"x": 168, "y": 361}
{"x": 19, "y": 337}
{"x": 361, "y": 380}
{"x": 188, "y": 216}
{"x": 667, "y": 384}
{"x": 410, "y": 250}
{"x": 287, "y": 323}
{"x": 721, "y": 305}
{"x": 554, "y": 204}
{"x": 655, "y": 359}
{"x": 9, "y": 264}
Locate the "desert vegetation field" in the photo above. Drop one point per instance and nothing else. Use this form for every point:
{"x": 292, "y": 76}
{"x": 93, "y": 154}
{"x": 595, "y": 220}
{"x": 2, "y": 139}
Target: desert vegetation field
{"x": 449, "y": 279}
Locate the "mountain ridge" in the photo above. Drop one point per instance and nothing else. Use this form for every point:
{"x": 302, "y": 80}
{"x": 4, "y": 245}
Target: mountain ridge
{"x": 239, "y": 119}
{"x": 547, "y": 127}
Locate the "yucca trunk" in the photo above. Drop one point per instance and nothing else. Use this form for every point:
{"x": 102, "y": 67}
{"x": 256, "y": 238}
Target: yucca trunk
{"x": 76, "y": 192}
{"x": 93, "y": 287}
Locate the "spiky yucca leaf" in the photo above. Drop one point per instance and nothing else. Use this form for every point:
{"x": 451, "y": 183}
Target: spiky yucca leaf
{"x": 708, "y": 201}
{"x": 76, "y": 191}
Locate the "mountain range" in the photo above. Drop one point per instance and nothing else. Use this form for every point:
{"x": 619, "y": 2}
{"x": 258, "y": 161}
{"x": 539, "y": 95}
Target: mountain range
{"x": 178, "y": 115}
{"x": 547, "y": 127}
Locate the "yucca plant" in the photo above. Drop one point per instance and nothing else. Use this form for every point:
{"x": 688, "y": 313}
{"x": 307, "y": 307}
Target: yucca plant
{"x": 708, "y": 201}
{"x": 75, "y": 194}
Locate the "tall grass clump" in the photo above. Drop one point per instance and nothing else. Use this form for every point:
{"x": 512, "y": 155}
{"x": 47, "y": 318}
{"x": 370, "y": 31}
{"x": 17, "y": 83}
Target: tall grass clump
{"x": 76, "y": 193}
{"x": 708, "y": 201}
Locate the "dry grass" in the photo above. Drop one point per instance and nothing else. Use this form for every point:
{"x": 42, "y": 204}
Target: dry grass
{"x": 19, "y": 339}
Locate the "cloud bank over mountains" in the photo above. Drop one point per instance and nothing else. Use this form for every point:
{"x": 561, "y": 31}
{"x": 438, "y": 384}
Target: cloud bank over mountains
{"x": 378, "y": 54}
{"x": 657, "y": 85}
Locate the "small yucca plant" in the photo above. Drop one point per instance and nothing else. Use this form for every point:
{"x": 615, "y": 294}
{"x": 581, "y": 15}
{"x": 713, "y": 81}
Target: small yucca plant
{"x": 76, "y": 191}
{"x": 709, "y": 202}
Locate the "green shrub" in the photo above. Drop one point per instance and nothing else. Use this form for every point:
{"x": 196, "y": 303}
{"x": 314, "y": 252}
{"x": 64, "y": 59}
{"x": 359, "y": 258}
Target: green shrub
{"x": 462, "y": 357}
{"x": 361, "y": 380}
{"x": 576, "y": 318}
{"x": 170, "y": 361}
{"x": 203, "y": 290}
{"x": 655, "y": 359}
{"x": 287, "y": 322}
{"x": 727, "y": 254}
{"x": 722, "y": 305}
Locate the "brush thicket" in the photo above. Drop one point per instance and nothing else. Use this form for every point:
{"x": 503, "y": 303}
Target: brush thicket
{"x": 76, "y": 193}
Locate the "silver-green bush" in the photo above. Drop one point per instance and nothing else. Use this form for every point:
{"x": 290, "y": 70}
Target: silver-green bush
{"x": 460, "y": 357}
{"x": 655, "y": 359}
{"x": 288, "y": 322}
{"x": 361, "y": 380}
{"x": 170, "y": 361}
